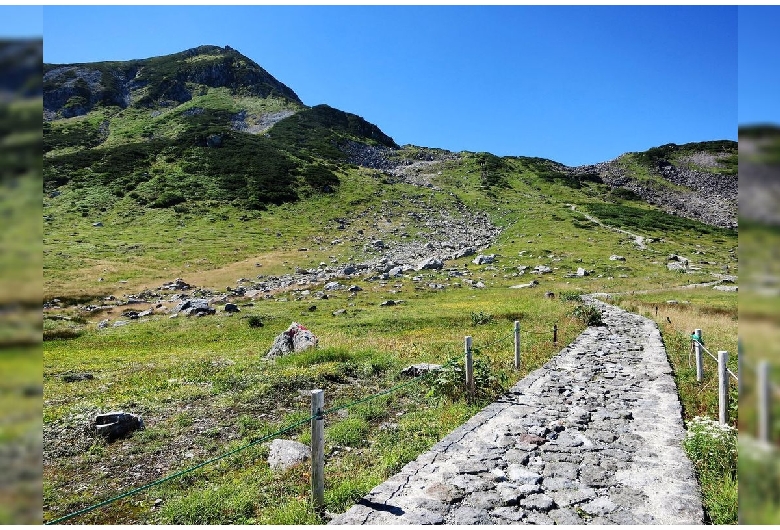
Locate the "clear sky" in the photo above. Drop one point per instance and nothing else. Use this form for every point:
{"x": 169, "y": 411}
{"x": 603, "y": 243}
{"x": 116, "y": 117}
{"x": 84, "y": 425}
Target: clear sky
{"x": 759, "y": 64}
{"x": 576, "y": 84}
{"x": 21, "y": 21}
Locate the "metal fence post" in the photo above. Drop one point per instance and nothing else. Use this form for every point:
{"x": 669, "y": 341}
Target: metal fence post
{"x": 469, "y": 367}
{"x": 517, "y": 344}
{"x": 764, "y": 394}
{"x": 723, "y": 387}
{"x": 555, "y": 333}
{"x": 699, "y": 359}
{"x": 317, "y": 450}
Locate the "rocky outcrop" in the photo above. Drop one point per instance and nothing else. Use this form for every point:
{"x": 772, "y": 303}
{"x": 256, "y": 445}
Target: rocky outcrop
{"x": 75, "y": 89}
{"x": 708, "y": 197}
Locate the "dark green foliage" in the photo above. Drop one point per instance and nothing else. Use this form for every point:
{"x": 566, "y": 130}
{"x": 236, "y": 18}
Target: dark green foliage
{"x": 624, "y": 194}
{"x": 493, "y": 170}
{"x": 23, "y": 155}
{"x": 554, "y": 173}
{"x": 642, "y": 219}
{"x": 588, "y": 315}
{"x": 79, "y": 134}
{"x": 318, "y": 131}
{"x": 319, "y": 177}
{"x": 254, "y": 321}
{"x": 450, "y": 380}
{"x": 663, "y": 153}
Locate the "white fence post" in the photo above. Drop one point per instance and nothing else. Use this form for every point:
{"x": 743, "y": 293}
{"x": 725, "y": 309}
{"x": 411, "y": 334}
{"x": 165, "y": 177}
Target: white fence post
{"x": 723, "y": 387}
{"x": 699, "y": 359}
{"x": 317, "y": 450}
{"x": 764, "y": 394}
{"x": 469, "y": 367}
{"x": 517, "y": 344}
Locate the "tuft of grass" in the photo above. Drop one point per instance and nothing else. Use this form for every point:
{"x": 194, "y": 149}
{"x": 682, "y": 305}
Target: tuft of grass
{"x": 712, "y": 449}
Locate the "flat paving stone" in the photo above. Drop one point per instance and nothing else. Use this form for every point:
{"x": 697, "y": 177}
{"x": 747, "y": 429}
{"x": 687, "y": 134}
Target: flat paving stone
{"x": 592, "y": 437}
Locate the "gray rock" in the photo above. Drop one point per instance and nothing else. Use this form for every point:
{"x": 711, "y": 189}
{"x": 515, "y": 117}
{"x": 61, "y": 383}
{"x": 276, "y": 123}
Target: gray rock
{"x": 469, "y": 515}
{"x": 231, "y": 308}
{"x": 615, "y": 257}
{"x": 431, "y": 263}
{"x": 114, "y": 425}
{"x": 483, "y": 259}
{"x": 284, "y": 454}
{"x": 415, "y": 370}
{"x": 296, "y": 339}
{"x": 541, "y": 269}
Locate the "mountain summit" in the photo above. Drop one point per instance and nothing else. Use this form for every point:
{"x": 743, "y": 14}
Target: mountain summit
{"x": 204, "y": 124}
{"x": 168, "y": 80}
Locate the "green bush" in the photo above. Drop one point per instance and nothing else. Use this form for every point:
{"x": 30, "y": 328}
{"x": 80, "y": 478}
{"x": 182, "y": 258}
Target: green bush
{"x": 570, "y": 296}
{"x": 449, "y": 381}
{"x": 480, "y": 318}
{"x": 588, "y": 315}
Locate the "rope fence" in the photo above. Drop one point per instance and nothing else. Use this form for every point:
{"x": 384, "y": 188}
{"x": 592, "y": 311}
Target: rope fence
{"x": 697, "y": 344}
{"x": 318, "y": 413}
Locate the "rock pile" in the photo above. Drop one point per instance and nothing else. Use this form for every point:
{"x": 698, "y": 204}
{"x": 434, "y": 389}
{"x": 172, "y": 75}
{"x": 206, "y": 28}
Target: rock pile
{"x": 711, "y": 199}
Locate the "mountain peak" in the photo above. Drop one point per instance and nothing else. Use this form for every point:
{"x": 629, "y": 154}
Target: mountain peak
{"x": 164, "y": 81}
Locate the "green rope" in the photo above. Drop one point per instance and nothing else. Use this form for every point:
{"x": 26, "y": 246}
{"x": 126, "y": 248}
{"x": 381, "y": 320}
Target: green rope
{"x": 225, "y": 455}
{"x": 374, "y": 396}
{"x": 175, "y": 475}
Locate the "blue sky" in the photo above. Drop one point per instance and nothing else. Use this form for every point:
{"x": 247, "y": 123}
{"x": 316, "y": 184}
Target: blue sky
{"x": 576, "y": 84}
{"x": 759, "y": 64}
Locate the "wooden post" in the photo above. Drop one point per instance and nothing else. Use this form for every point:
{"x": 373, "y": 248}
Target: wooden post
{"x": 723, "y": 387}
{"x": 555, "y": 333}
{"x": 699, "y": 359}
{"x": 517, "y": 344}
{"x": 764, "y": 394}
{"x": 317, "y": 450}
{"x": 469, "y": 367}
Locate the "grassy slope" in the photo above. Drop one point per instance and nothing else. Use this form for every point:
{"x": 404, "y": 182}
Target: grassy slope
{"x": 202, "y": 385}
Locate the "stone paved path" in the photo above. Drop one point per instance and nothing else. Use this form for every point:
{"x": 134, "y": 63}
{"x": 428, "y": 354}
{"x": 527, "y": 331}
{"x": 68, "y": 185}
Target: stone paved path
{"x": 594, "y": 436}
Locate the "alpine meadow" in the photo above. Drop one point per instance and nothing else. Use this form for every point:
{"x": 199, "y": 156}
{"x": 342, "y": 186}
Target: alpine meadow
{"x": 194, "y": 208}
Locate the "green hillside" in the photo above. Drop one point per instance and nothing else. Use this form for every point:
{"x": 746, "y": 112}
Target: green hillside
{"x": 180, "y": 167}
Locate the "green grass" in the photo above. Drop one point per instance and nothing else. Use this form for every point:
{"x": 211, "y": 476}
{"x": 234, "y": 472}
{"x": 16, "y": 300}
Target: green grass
{"x": 203, "y": 386}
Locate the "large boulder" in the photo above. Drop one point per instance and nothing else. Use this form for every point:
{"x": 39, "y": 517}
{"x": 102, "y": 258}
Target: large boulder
{"x": 296, "y": 339}
{"x": 284, "y": 454}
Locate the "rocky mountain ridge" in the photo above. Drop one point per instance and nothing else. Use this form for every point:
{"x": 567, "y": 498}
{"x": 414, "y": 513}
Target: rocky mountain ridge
{"x": 221, "y": 118}
{"x": 75, "y": 89}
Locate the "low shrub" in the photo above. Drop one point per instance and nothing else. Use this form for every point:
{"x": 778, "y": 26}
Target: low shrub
{"x": 450, "y": 380}
{"x": 480, "y": 318}
{"x": 588, "y": 315}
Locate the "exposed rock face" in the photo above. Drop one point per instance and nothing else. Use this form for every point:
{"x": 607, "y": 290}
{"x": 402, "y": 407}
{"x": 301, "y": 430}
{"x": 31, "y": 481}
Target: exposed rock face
{"x": 706, "y": 197}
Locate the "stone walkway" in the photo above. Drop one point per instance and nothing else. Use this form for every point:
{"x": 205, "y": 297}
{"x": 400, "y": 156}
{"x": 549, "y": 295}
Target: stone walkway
{"x": 594, "y": 436}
